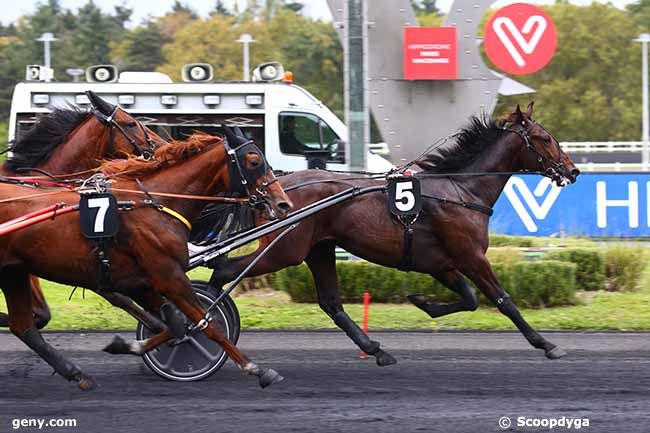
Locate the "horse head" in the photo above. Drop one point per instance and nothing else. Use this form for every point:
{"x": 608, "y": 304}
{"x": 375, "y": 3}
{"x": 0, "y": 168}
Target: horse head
{"x": 250, "y": 173}
{"x": 544, "y": 151}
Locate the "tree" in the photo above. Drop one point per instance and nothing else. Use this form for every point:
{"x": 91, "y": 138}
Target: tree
{"x": 94, "y": 33}
{"x": 312, "y": 51}
{"x": 220, "y": 9}
{"x": 640, "y": 11}
{"x": 591, "y": 89}
{"x": 141, "y": 49}
{"x": 184, "y": 8}
{"x": 218, "y": 46}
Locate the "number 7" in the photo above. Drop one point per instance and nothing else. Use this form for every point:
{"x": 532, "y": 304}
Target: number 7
{"x": 103, "y": 203}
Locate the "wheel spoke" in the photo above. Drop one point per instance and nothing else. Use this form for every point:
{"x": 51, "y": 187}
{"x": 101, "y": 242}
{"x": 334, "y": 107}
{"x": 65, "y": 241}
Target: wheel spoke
{"x": 202, "y": 350}
{"x": 172, "y": 355}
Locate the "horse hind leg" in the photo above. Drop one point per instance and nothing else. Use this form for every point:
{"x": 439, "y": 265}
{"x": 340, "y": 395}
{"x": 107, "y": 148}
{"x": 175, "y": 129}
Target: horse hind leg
{"x": 15, "y": 286}
{"x": 322, "y": 263}
{"x": 41, "y": 310}
{"x": 454, "y": 281}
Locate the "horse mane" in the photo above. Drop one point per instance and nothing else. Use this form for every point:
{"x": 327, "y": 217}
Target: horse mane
{"x": 469, "y": 142}
{"x": 165, "y": 156}
{"x": 50, "y": 131}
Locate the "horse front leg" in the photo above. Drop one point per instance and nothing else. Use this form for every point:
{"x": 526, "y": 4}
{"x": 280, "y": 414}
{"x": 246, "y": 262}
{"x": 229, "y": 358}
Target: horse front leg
{"x": 455, "y": 282}
{"x": 478, "y": 269}
{"x": 16, "y": 288}
{"x": 322, "y": 264}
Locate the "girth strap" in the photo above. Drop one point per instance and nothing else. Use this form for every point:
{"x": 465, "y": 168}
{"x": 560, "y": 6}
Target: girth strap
{"x": 406, "y": 264}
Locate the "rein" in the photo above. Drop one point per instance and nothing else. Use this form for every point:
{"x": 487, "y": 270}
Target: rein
{"x": 184, "y": 196}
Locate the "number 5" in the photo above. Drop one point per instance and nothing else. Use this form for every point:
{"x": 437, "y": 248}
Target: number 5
{"x": 403, "y": 192}
{"x": 103, "y": 204}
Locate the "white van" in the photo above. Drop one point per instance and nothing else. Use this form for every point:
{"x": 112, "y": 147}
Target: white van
{"x": 283, "y": 119}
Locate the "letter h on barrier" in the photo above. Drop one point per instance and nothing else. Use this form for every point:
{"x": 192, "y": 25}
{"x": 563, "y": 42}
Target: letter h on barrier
{"x": 632, "y": 203}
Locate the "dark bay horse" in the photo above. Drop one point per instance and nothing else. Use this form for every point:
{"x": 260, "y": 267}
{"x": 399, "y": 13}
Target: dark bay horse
{"x": 69, "y": 140}
{"x": 450, "y": 240}
{"x": 149, "y": 253}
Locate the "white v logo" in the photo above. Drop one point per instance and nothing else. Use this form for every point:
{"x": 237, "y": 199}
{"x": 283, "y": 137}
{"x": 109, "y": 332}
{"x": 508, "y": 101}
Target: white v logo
{"x": 538, "y": 210}
{"x": 526, "y": 46}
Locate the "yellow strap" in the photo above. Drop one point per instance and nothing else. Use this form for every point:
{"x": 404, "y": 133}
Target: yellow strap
{"x": 178, "y": 216}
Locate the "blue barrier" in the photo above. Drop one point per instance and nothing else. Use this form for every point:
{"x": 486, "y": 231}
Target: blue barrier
{"x": 597, "y": 205}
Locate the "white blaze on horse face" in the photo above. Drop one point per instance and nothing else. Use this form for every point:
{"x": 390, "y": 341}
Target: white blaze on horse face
{"x": 526, "y": 46}
{"x": 539, "y": 211}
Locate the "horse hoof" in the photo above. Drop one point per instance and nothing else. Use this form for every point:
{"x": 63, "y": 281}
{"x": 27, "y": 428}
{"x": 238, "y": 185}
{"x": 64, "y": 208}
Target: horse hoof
{"x": 269, "y": 377}
{"x": 384, "y": 359}
{"x": 556, "y": 353}
{"x": 86, "y": 382}
{"x": 118, "y": 346}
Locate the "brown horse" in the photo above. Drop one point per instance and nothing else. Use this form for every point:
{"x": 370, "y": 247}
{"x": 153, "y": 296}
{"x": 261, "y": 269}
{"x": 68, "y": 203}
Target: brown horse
{"x": 450, "y": 236}
{"x": 69, "y": 140}
{"x": 148, "y": 254}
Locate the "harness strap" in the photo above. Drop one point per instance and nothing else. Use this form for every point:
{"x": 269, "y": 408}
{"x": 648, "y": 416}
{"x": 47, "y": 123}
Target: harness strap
{"x": 176, "y": 215}
{"x": 473, "y": 206}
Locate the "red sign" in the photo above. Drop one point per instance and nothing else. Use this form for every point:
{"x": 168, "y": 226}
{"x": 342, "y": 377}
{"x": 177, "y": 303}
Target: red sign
{"x": 430, "y": 53}
{"x": 520, "y": 39}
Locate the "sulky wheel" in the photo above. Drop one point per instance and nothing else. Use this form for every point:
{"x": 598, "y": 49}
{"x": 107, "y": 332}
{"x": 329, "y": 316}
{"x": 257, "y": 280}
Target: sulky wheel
{"x": 195, "y": 357}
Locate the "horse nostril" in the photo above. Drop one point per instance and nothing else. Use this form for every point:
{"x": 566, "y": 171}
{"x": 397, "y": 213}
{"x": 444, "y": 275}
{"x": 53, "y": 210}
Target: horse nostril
{"x": 284, "y": 206}
{"x": 575, "y": 172}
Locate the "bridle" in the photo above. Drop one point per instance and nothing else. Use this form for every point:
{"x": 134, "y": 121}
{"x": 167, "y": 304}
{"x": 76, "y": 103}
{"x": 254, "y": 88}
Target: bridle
{"x": 144, "y": 153}
{"x": 241, "y": 176}
{"x": 551, "y": 168}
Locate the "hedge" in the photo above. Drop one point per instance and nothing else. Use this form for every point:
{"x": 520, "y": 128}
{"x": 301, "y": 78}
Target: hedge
{"x": 590, "y": 266}
{"x": 624, "y": 267}
{"x": 534, "y": 284}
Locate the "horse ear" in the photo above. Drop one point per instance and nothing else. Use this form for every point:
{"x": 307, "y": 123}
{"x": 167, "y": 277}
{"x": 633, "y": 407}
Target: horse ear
{"x": 100, "y": 104}
{"x": 239, "y": 132}
{"x": 518, "y": 114}
{"x": 230, "y": 135}
{"x": 529, "y": 109}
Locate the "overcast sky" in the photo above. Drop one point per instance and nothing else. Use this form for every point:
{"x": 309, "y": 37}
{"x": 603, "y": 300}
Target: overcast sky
{"x": 11, "y": 10}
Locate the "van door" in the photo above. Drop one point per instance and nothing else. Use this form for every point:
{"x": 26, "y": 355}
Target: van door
{"x": 297, "y": 132}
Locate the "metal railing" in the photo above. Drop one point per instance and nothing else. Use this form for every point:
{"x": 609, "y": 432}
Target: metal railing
{"x": 601, "y": 146}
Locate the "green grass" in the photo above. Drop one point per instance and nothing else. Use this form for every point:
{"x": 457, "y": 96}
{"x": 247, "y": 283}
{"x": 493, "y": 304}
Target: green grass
{"x": 598, "y": 311}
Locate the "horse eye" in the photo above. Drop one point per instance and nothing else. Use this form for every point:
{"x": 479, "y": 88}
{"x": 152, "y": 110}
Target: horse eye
{"x": 131, "y": 125}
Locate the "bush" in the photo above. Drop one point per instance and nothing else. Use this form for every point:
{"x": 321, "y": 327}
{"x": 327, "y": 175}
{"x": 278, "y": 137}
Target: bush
{"x": 511, "y": 241}
{"x": 542, "y": 283}
{"x": 624, "y": 267}
{"x": 590, "y": 266}
{"x": 505, "y": 255}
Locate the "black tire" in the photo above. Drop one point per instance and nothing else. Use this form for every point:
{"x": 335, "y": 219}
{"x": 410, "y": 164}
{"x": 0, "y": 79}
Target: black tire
{"x": 227, "y": 303}
{"x": 199, "y": 357}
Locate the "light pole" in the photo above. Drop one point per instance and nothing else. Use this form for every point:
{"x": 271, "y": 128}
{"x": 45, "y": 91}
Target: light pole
{"x": 47, "y": 38}
{"x": 246, "y": 40}
{"x": 644, "y": 38}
